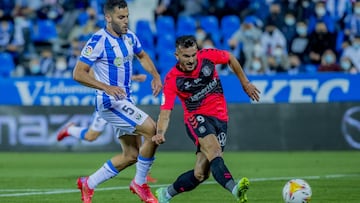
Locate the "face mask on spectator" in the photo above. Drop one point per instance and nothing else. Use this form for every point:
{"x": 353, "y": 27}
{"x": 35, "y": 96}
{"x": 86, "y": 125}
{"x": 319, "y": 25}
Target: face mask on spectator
{"x": 320, "y": 11}
{"x": 301, "y": 30}
{"x": 257, "y": 50}
{"x": 345, "y": 65}
{"x": 357, "y": 10}
{"x": 35, "y": 69}
{"x": 356, "y": 45}
{"x": 248, "y": 33}
{"x": 305, "y": 4}
{"x": 290, "y": 21}
{"x": 256, "y": 65}
{"x": 329, "y": 58}
{"x": 278, "y": 52}
{"x": 61, "y": 65}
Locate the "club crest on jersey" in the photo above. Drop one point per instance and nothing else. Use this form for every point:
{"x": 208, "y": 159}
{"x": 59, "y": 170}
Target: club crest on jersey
{"x": 87, "y": 51}
{"x": 118, "y": 61}
{"x": 138, "y": 116}
{"x": 206, "y": 71}
{"x": 128, "y": 40}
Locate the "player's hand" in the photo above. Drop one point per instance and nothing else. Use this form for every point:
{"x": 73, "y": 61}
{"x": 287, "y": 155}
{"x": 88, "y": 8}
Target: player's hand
{"x": 158, "y": 139}
{"x": 156, "y": 86}
{"x": 252, "y": 91}
{"x": 116, "y": 92}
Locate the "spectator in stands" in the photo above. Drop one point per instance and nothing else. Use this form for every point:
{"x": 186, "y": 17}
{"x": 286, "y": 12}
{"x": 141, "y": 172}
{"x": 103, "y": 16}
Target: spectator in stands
{"x": 258, "y": 8}
{"x": 320, "y": 40}
{"x": 168, "y": 8}
{"x": 217, "y": 8}
{"x": 73, "y": 52}
{"x": 329, "y": 62}
{"x": 50, "y": 10}
{"x": 244, "y": 40}
{"x": 295, "y": 65}
{"x": 321, "y": 15}
{"x": 353, "y": 52}
{"x": 84, "y": 31}
{"x": 278, "y": 61}
{"x": 24, "y": 13}
{"x": 257, "y": 67}
{"x": 338, "y": 10}
{"x": 200, "y": 35}
{"x": 6, "y": 8}
{"x": 194, "y": 8}
{"x": 352, "y": 22}
{"x": 347, "y": 66}
{"x": 62, "y": 70}
{"x": 300, "y": 8}
{"x": 237, "y": 7}
{"x": 289, "y": 28}
{"x": 299, "y": 44}
{"x": 32, "y": 68}
{"x": 72, "y": 9}
{"x": 276, "y": 16}
{"x": 272, "y": 38}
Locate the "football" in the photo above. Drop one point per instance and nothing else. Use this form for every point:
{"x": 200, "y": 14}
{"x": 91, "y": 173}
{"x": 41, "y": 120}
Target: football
{"x": 297, "y": 191}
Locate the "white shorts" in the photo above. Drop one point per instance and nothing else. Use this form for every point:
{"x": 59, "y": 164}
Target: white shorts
{"x": 123, "y": 115}
{"x": 98, "y": 124}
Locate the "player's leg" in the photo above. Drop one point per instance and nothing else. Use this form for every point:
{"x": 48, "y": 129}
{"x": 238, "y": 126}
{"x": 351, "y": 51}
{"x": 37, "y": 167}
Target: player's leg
{"x": 149, "y": 178}
{"x": 129, "y": 119}
{"x": 110, "y": 168}
{"x": 186, "y": 181}
{"x": 90, "y": 134}
{"x": 212, "y": 146}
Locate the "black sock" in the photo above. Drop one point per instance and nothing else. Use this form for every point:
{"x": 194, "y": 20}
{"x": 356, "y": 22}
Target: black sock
{"x": 185, "y": 182}
{"x": 221, "y": 173}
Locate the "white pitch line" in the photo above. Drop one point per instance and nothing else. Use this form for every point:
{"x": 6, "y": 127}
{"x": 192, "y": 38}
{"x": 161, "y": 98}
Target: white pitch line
{"x": 28, "y": 192}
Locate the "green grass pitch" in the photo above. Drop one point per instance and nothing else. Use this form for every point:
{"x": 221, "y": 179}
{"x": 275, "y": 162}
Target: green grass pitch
{"x": 50, "y": 177}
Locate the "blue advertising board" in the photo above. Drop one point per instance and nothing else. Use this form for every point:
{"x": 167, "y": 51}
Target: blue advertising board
{"x": 303, "y": 88}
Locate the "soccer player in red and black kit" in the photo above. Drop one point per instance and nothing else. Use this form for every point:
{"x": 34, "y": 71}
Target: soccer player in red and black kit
{"x": 196, "y": 82}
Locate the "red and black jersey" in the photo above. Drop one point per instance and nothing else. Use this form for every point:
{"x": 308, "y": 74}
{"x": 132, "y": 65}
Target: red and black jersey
{"x": 199, "y": 91}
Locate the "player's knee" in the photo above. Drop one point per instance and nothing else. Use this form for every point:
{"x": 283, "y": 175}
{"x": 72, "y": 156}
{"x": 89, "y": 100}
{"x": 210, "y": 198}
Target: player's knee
{"x": 132, "y": 158}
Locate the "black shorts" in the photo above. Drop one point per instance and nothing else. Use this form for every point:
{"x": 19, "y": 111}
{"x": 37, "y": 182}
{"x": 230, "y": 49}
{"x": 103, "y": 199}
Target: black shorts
{"x": 201, "y": 126}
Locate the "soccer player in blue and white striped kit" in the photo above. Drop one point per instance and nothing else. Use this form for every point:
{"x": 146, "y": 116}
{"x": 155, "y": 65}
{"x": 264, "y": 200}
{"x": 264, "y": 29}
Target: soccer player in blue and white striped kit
{"x": 110, "y": 52}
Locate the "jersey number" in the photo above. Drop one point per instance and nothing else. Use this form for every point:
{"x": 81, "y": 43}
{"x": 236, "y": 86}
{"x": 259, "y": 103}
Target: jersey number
{"x": 128, "y": 110}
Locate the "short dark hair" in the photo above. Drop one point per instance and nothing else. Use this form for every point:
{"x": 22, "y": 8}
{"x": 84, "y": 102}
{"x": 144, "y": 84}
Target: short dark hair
{"x": 186, "y": 41}
{"x": 111, "y": 4}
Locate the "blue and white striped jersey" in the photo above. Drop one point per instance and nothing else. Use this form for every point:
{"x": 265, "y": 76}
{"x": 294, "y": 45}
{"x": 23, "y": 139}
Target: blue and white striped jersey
{"x": 111, "y": 58}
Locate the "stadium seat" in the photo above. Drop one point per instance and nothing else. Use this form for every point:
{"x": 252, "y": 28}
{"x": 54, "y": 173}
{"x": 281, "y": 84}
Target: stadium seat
{"x": 209, "y": 24}
{"x": 165, "y": 25}
{"x": 44, "y": 30}
{"x": 7, "y": 64}
{"x": 186, "y": 25}
{"x": 228, "y": 25}
{"x": 82, "y": 18}
{"x": 166, "y": 61}
{"x": 166, "y": 42}
{"x": 142, "y": 27}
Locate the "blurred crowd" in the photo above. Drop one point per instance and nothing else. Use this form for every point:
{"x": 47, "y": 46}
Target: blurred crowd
{"x": 45, "y": 37}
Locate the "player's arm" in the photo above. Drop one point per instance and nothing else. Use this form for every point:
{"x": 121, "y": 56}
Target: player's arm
{"x": 139, "y": 77}
{"x": 149, "y": 66}
{"x": 162, "y": 126}
{"x": 249, "y": 88}
{"x": 81, "y": 74}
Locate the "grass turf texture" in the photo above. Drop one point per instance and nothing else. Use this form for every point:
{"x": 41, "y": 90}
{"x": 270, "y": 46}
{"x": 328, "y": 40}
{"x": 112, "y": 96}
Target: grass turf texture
{"x": 50, "y": 177}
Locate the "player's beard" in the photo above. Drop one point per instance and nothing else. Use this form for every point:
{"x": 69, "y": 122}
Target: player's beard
{"x": 118, "y": 29}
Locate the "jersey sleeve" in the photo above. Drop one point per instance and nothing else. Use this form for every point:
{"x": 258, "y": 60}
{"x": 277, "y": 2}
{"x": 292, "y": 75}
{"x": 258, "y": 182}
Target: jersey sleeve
{"x": 215, "y": 55}
{"x": 137, "y": 47}
{"x": 92, "y": 50}
{"x": 169, "y": 93}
